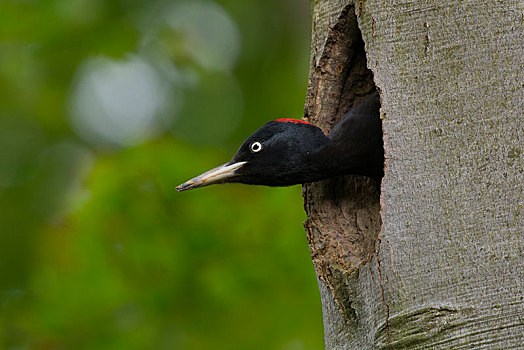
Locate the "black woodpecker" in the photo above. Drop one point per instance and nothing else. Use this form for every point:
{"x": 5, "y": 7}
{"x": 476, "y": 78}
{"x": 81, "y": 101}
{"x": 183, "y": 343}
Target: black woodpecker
{"x": 287, "y": 152}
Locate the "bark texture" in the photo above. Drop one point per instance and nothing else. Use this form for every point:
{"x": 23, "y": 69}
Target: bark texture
{"x": 444, "y": 267}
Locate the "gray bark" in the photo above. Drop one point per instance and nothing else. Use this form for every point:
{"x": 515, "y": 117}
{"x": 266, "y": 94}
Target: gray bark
{"x": 435, "y": 260}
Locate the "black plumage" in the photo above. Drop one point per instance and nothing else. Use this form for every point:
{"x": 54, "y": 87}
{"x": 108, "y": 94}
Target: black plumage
{"x": 286, "y": 152}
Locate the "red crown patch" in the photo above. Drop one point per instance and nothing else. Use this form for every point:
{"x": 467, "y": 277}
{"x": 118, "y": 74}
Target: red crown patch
{"x": 291, "y": 120}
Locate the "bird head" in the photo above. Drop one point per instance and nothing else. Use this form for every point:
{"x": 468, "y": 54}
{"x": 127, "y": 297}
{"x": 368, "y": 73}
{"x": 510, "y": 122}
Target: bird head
{"x": 277, "y": 154}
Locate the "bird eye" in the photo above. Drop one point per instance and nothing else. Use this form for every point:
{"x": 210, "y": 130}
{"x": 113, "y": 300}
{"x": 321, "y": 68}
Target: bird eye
{"x": 256, "y": 147}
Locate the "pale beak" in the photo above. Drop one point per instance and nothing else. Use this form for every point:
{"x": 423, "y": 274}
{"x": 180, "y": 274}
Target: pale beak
{"x": 213, "y": 176}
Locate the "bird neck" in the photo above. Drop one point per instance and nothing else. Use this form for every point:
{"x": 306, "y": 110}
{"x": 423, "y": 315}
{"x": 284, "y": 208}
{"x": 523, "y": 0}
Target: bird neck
{"x": 349, "y": 152}
{"x": 354, "y": 145}
{"x": 332, "y": 159}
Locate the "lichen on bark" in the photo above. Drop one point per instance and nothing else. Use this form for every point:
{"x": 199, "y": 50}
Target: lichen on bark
{"x": 446, "y": 271}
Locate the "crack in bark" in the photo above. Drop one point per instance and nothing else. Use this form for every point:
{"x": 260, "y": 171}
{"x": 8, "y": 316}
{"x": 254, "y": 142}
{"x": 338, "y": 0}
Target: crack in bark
{"x": 382, "y": 288}
{"x": 426, "y": 38}
{"x": 390, "y": 256}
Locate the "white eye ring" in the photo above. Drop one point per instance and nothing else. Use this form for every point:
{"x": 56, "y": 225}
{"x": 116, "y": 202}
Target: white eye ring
{"x": 256, "y": 147}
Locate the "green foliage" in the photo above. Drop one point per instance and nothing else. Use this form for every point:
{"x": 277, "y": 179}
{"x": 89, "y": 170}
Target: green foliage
{"x": 97, "y": 250}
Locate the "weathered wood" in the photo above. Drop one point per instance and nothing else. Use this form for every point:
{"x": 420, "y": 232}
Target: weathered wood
{"x": 344, "y": 213}
{"x": 446, "y": 270}
{"x": 339, "y": 79}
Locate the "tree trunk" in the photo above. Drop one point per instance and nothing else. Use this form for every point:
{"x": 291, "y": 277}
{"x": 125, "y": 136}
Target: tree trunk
{"x": 435, "y": 259}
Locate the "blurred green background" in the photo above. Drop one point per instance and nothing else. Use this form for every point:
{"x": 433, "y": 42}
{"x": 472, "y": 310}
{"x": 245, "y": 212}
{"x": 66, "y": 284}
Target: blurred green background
{"x": 105, "y": 106}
